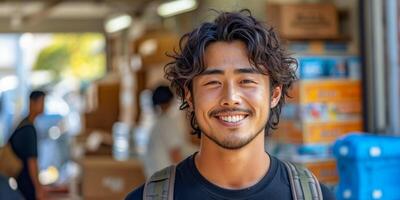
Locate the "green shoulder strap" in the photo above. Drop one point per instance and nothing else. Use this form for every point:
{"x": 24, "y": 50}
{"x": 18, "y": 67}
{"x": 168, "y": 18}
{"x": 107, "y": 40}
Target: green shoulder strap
{"x": 304, "y": 184}
{"x": 160, "y": 186}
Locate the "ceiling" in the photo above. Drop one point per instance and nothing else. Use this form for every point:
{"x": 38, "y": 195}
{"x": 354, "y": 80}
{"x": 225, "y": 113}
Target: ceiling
{"x": 64, "y": 15}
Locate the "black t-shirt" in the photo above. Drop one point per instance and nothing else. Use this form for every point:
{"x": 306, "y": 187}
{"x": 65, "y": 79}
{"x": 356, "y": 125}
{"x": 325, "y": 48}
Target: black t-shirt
{"x": 24, "y": 143}
{"x": 190, "y": 184}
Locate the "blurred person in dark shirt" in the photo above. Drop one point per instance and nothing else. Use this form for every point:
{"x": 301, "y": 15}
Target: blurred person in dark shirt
{"x": 24, "y": 143}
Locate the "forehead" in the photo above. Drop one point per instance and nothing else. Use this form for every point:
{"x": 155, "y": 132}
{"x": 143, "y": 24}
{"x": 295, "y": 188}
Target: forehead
{"x": 218, "y": 54}
{"x": 38, "y": 99}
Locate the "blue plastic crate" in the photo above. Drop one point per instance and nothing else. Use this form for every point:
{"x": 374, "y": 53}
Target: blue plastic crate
{"x": 369, "y": 167}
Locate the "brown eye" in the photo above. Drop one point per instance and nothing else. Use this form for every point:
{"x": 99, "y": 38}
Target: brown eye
{"x": 212, "y": 83}
{"x": 247, "y": 81}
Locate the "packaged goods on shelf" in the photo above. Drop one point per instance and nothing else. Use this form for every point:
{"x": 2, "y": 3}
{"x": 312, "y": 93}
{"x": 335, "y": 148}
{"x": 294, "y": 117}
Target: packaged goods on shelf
{"x": 331, "y": 112}
{"x": 312, "y": 68}
{"x": 306, "y": 151}
{"x": 322, "y": 112}
{"x": 319, "y": 47}
{"x": 368, "y": 166}
{"x": 354, "y": 68}
{"x": 322, "y": 67}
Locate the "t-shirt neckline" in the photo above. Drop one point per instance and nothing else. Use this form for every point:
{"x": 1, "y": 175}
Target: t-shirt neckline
{"x": 233, "y": 193}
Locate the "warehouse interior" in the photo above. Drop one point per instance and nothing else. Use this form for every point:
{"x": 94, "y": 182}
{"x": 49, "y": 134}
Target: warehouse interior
{"x": 100, "y": 60}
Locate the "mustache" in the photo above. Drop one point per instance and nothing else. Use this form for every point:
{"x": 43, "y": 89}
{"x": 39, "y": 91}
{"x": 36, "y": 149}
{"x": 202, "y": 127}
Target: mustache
{"x": 225, "y": 110}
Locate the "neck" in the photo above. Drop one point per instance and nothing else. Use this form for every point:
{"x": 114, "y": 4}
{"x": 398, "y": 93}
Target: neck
{"x": 233, "y": 169}
{"x": 31, "y": 117}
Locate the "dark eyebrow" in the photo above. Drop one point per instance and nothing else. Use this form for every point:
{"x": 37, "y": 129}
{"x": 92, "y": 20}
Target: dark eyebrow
{"x": 247, "y": 70}
{"x": 212, "y": 71}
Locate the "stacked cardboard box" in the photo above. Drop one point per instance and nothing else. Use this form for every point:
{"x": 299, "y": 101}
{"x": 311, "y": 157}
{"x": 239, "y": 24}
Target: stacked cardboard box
{"x": 304, "y": 21}
{"x": 106, "y": 111}
{"x": 106, "y": 178}
{"x": 326, "y": 105}
{"x": 323, "y": 108}
{"x": 327, "y": 100}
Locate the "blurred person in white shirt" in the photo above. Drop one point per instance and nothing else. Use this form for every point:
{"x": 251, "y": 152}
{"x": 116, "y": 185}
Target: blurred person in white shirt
{"x": 166, "y": 139}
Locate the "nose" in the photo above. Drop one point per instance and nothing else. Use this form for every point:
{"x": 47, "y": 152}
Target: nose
{"x": 231, "y": 95}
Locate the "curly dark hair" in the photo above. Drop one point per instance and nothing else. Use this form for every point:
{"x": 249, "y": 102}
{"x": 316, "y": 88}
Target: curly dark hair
{"x": 265, "y": 52}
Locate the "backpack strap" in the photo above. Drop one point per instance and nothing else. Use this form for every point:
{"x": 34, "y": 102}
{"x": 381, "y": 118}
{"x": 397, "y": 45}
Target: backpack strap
{"x": 160, "y": 186}
{"x": 304, "y": 184}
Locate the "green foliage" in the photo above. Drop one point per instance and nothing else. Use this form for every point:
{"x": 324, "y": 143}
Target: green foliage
{"x": 78, "y": 55}
{"x": 53, "y": 58}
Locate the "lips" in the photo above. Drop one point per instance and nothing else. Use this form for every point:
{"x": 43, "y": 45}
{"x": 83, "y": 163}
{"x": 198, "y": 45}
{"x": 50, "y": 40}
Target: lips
{"x": 232, "y": 118}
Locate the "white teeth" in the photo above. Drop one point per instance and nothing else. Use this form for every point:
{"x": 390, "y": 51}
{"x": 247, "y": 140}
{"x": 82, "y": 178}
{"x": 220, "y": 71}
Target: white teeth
{"x": 232, "y": 119}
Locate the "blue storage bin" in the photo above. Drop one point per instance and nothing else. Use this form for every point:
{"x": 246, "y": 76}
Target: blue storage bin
{"x": 368, "y": 166}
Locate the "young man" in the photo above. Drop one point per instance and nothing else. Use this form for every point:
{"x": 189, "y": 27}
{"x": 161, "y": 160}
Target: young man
{"x": 24, "y": 143}
{"x": 232, "y": 76}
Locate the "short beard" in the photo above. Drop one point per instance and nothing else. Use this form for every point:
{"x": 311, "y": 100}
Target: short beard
{"x": 233, "y": 145}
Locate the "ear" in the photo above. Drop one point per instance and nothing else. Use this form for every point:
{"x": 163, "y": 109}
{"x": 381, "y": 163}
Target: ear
{"x": 189, "y": 98}
{"x": 276, "y": 96}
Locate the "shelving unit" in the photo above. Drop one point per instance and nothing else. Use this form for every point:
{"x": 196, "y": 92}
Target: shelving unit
{"x": 326, "y": 101}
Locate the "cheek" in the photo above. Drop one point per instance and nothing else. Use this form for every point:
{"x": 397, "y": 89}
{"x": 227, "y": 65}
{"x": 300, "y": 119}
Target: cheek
{"x": 203, "y": 97}
{"x": 259, "y": 101}
{"x": 258, "y": 95}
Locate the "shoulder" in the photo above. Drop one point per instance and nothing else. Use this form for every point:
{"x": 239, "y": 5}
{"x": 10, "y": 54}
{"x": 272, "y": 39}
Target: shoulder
{"x": 181, "y": 169}
{"x": 25, "y": 126}
{"x": 136, "y": 194}
{"x": 25, "y": 131}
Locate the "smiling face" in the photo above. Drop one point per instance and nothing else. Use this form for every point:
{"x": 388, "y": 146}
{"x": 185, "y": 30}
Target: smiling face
{"x": 231, "y": 100}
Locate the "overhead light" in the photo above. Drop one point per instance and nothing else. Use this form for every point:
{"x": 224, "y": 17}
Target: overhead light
{"x": 172, "y": 8}
{"x": 118, "y": 23}
{"x": 148, "y": 47}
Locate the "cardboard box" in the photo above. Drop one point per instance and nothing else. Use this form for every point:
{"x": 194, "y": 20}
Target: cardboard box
{"x": 304, "y": 21}
{"x": 325, "y": 90}
{"x": 107, "y": 109}
{"x": 332, "y": 90}
{"x": 106, "y": 178}
{"x": 100, "y": 120}
{"x": 324, "y": 170}
{"x": 108, "y": 96}
{"x": 297, "y": 132}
